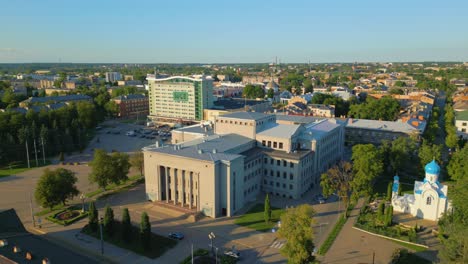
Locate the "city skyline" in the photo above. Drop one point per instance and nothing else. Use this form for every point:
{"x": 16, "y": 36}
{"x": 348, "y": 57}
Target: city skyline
{"x": 212, "y": 32}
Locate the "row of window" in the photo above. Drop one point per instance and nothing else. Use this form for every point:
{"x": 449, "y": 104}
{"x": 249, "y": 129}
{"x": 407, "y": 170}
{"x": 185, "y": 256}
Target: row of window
{"x": 278, "y": 162}
{"x": 278, "y": 174}
{"x": 250, "y": 189}
{"x": 278, "y": 184}
{"x": 278, "y": 145}
{"x": 234, "y": 122}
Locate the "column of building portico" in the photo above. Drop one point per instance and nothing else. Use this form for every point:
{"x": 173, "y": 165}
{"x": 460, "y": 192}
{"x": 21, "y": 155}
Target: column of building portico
{"x": 190, "y": 189}
{"x": 167, "y": 183}
{"x": 181, "y": 188}
{"x": 174, "y": 185}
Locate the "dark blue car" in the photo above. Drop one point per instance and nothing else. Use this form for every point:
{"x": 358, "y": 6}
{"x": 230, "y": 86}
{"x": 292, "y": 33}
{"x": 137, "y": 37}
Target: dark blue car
{"x": 176, "y": 235}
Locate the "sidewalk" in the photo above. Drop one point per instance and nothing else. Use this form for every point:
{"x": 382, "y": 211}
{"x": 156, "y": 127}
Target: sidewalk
{"x": 353, "y": 246}
{"x": 71, "y": 238}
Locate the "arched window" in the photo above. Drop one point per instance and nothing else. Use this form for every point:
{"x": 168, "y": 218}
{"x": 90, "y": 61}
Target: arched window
{"x": 429, "y": 200}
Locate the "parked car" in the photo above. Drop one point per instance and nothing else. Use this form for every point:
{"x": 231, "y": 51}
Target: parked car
{"x": 176, "y": 235}
{"x": 232, "y": 253}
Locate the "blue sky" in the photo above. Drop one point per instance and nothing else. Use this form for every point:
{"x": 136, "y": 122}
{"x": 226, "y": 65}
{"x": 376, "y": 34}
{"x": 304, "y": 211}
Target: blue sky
{"x": 177, "y": 31}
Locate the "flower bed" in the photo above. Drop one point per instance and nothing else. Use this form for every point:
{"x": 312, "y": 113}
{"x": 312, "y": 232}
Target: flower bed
{"x": 67, "y": 216}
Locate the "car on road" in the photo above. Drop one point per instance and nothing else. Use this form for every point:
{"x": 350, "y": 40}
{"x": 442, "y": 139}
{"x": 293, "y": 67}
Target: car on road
{"x": 321, "y": 201}
{"x": 176, "y": 235}
{"x": 232, "y": 253}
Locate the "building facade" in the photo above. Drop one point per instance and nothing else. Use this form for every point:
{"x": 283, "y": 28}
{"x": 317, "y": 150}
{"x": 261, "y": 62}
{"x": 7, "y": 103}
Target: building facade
{"x": 219, "y": 168}
{"x": 113, "y": 77}
{"x": 132, "y": 105}
{"x": 461, "y": 123}
{"x": 363, "y": 131}
{"x": 179, "y": 97}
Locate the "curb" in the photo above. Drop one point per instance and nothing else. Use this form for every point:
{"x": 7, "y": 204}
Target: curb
{"x": 391, "y": 238}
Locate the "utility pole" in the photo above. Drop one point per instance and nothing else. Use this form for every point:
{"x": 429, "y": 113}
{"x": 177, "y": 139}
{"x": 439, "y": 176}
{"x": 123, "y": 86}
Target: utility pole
{"x": 102, "y": 239}
{"x": 32, "y": 213}
{"x": 27, "y": 153}
{"x": 192, "y": 253}
{"x": 43, "y": 151}
{"x": 35, "y": 153}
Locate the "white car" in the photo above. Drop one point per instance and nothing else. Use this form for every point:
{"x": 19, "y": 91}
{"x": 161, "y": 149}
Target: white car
{"x": 130, "y": 133}
{"x": 234, "y": 254}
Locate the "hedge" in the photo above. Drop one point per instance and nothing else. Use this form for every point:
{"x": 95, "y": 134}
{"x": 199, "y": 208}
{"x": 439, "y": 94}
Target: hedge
{"x": 80, "y": 216}
{"x": 332, "y": 236}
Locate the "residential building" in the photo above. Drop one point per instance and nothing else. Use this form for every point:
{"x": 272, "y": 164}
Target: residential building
{"x": 217, "y": 168}
{"x": 179, "y": 98}
{"x": 321, "y": 110}
{"x": 44, "y": 84}
{"x": 129, "y": 83}
{"x": 132, "y": 105}
{"x": 363, "y": 131}
{"x": 55, "y": 99}
{"x": 461, "y": 123}
{"x": 113, "y": 77}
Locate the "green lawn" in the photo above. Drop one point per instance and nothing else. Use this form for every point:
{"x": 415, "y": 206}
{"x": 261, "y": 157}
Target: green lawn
{"x": 159, "y": 244}
{"x": 410, "y": 246}
{"x": 18, "y": 167}
{"x": 115, "y": 187}
{"x": 255, "y": 219}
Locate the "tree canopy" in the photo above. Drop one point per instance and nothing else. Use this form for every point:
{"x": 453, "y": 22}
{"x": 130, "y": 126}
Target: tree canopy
{"x": 108, "y": 169}
{"x": 55, "y": 187}
{"x": 385, "y": 108}
{"x": 253, "y": 91}
{"x": 296, "y": 228}
{"x": 338, "y": 179}
{"x": 367, "y": 165}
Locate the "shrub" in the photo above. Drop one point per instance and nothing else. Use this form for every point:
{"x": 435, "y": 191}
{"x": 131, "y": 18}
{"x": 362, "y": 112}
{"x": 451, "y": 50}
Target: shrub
{"x": 196, "y": 253}
{"x": 109, "y": 221}
{"x": 126, "y": 226}
{"x": 93, "y": 217}
{"x": 145, "y": 231}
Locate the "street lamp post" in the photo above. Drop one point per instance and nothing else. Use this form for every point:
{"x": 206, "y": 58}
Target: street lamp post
{"x": 211, "y": 236}
{"x": 216, "y": 255}
{"x": 82, "y": 197}
{"x": 102, "y": 239}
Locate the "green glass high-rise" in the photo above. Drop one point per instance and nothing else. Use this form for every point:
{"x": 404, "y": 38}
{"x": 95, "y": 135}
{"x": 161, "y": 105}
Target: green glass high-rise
{"x": 179, "y": 97}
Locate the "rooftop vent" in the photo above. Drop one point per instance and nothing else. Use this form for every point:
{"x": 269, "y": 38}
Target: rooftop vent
{"x": 215, "y": 151}
{"x": 3, "y": 242}
{"x": 200, "y": 151}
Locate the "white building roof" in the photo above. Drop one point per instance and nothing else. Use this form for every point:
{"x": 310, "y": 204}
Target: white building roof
{"x": 391, "y": 126}
{"x": 280, "y": 131}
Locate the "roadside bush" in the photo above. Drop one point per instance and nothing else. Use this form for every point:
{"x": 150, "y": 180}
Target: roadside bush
{"x": 109, "y": 221}
{"x": 93, "y": 217}
{"x": 126, "y": 226}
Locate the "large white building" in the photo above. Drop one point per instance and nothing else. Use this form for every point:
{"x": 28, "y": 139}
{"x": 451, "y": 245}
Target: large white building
{"x": 429, "y": 200}
{"x": 113, "y": 77}
{"x": 217, "y": 169}
{"x": 179, "y": 97}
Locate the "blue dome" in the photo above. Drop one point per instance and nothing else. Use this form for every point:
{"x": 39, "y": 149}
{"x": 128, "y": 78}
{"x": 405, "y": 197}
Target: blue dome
{"x": 396, "y": 178}
{"x": 432, "y": 167}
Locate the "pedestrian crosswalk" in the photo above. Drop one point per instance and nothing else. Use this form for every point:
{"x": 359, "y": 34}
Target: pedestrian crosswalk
{"x": 277, "y": 244}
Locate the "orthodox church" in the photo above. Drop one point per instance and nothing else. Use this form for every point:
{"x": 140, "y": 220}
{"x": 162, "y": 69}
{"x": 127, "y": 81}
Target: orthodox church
{"x": 429, "y": 200}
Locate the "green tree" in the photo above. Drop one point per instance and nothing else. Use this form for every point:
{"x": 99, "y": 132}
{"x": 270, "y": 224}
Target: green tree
{"x": 401, "y": 152}
{"x": 381, "y": 212}
{"x": 388, "y": 215}
{"x": 267, "y": 211}
{"x": 389, "y": 191}
{"x": 428, "y": 152}
{"x": 108, "y": 169}
{"x": 126, "y": 226}
{"x": 253, "y": 91}
{"x": 296, "y": 228}
{"x": 109, "y": 221}
{"x": 385, "y": 108}
{"x": 338, "y": 179}
{"x": 55, "y": 187}
{"x": 308, "y": 87}
{"x": 145, "y": 231}
{"x": 137, "y": 161}
{"x": 367, "y": 165}
{"x": 271, "y": 93}
{"x": 93, "y": 217}
{"x": 458, "y": 164}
